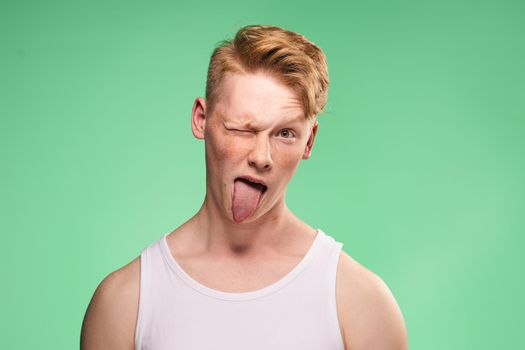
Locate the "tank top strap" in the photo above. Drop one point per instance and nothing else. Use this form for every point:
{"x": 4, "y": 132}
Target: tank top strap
{"x": 149, "y": 261}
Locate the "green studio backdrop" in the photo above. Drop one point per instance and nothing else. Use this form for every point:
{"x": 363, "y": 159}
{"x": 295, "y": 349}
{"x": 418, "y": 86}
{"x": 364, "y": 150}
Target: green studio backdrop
{"x": 417, "y": 168}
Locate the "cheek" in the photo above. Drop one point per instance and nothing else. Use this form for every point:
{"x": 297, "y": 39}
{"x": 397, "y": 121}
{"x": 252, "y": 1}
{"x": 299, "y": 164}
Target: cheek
{"x": 288, "y": 156}
{"x": 224, "y": 148}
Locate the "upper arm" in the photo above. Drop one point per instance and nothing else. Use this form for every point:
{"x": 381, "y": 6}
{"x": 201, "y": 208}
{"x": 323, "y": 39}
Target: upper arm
{"x": 110, "y": 319}
{"x": 370, "y": 316}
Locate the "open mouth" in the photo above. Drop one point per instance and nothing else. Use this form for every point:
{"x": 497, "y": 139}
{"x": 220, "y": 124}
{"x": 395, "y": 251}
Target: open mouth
{"x": 255, "y": 185}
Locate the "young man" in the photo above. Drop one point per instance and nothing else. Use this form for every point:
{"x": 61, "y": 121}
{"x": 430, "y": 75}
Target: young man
{"x": 244, "y": 272}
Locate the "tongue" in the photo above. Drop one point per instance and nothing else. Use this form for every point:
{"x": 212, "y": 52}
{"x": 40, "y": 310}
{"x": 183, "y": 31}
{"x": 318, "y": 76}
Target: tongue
{"x": 245, "y": 199}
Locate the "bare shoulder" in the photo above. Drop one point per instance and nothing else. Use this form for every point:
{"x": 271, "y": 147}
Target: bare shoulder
{"x": 110, "y": 319}
{"x": 369, "y": 315}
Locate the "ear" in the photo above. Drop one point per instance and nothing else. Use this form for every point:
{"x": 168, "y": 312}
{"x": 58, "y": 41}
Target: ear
{"x": 310, "y": 142}
{"x": 198, "y": 118}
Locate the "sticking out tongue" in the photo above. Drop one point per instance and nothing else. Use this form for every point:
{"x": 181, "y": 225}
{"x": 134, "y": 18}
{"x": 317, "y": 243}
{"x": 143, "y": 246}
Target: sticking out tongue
{"x": 246, "y": 196}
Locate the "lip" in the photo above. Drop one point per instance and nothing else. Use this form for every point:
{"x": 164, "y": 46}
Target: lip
{"x": 255, "y": 180}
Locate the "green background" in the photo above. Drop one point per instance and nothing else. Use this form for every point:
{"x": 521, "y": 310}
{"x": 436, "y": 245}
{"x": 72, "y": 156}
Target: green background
{"x": 417, "y": 168}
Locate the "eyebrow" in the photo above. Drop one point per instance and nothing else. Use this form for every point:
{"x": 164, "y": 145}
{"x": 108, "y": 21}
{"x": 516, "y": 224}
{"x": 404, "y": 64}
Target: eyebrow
{"x": 294, "y": 119}
{"x": 243, "y": 123}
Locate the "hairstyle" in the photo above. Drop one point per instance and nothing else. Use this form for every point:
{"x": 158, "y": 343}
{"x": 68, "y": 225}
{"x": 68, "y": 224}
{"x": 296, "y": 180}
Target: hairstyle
{"x": 288, "y": 56}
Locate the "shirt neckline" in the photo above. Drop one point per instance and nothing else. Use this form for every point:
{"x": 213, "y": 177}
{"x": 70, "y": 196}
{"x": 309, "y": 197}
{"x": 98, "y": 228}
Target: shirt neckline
{"x": 240, "y": 296}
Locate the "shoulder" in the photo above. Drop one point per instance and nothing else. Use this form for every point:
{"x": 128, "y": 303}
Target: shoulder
{"x": 110, "y": 319}
{"x": 368, "y": 313}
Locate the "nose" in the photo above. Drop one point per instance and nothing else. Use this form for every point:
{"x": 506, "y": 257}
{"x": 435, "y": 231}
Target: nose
{"x": 260, "y": 156}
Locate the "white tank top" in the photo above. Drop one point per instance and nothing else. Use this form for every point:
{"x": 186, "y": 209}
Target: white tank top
{"x": 297, "y": 312}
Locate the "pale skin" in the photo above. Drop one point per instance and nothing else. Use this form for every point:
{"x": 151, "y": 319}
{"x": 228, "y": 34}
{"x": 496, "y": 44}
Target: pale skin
{"x": 256, "y": 128}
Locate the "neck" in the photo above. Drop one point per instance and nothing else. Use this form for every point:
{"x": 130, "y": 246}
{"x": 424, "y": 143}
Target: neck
{"x": 222, "y": 235}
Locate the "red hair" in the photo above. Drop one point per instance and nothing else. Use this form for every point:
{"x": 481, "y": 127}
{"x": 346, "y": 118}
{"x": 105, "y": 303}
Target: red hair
{"x": 288, "y": 56}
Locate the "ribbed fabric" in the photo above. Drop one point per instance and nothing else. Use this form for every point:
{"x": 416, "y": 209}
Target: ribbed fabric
{"x": 297, "y": 312}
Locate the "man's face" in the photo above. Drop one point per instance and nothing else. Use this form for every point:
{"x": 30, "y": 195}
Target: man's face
{"x": 257, "y": 131}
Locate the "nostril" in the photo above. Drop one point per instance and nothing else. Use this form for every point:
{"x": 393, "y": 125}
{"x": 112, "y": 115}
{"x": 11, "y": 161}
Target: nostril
{"x": 260, "y": 163}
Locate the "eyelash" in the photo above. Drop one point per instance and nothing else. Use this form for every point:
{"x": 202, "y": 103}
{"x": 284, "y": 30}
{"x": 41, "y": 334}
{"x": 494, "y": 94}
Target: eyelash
{"x": 290, "y": 131}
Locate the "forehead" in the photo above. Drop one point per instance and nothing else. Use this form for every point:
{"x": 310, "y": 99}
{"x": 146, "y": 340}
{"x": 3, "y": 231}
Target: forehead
{"x": 257, "y": 98}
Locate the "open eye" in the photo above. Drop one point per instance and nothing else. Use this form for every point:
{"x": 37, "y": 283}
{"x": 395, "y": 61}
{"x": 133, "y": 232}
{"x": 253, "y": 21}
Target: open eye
{"x": 286, "y": 133}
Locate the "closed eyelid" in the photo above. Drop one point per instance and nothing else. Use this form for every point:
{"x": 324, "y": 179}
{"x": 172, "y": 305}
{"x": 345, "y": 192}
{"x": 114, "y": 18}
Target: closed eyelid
{"x": 240, "y": 130}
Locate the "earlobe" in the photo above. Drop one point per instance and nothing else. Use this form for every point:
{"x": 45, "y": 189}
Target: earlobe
{"x": 198, "y": 118}
{"x": 310, "y": 142}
